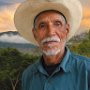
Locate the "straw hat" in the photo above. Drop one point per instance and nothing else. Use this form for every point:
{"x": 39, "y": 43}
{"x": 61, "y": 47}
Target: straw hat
{"x": 28, "y": 10}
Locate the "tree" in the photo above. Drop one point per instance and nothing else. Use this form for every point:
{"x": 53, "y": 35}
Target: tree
{"x": 12, "y": 64}
{"x": 82, "y": 48}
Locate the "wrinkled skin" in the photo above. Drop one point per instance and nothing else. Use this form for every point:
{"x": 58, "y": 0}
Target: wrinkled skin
{"x": 51, "y": 24}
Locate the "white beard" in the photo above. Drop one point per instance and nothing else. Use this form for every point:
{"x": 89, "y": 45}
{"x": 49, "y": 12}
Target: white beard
{"x": 52, "y": 52}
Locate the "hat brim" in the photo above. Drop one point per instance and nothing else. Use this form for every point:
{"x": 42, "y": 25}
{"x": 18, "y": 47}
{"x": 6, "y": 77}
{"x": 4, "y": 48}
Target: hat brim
{"x": 26, "y": 12}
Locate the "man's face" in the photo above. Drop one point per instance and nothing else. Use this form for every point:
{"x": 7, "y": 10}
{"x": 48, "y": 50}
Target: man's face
{"x": 51, "y": 32}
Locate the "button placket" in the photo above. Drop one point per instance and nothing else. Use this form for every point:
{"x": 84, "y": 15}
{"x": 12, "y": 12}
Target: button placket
{"x": 48, "y": 85}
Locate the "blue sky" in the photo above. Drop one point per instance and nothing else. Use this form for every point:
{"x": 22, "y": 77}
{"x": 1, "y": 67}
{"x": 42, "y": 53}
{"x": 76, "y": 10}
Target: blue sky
{"x": 5, "y": 2}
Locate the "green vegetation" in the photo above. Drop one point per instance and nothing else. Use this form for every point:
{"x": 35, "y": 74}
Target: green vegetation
{"x": 82, "y": 48}
{"x": 12, "y": 63}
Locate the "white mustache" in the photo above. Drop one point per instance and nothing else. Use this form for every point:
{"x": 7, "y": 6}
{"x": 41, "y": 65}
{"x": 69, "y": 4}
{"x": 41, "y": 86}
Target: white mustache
{"x": 48, "y": 39}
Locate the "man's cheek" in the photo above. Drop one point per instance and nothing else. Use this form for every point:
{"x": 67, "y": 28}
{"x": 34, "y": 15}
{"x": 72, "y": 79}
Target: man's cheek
{"x": 63, "y": 36}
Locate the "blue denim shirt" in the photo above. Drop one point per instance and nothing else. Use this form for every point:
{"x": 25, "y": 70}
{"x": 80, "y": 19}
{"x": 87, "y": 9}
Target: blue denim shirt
{"x": 73, "y": 73}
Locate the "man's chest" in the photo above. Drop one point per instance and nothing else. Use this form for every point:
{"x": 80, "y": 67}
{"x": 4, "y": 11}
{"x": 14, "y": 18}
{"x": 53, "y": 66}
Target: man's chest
{"x": 59, "y": 81}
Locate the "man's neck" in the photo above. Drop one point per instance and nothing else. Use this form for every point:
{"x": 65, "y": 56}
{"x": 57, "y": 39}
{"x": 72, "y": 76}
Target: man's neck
{"x": 55, "y": 59}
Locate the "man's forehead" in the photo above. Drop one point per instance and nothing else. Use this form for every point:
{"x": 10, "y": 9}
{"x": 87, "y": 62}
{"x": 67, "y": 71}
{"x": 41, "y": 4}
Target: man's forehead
{"x": 50, "y": 11}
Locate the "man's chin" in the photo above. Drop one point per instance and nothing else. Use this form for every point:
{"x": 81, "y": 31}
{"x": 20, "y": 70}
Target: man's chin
{"x": 52, "y": 52}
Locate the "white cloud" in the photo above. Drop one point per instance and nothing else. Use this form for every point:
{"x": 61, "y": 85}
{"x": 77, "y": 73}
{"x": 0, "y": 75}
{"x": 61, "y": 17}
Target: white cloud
{"x": 13, "y": 39}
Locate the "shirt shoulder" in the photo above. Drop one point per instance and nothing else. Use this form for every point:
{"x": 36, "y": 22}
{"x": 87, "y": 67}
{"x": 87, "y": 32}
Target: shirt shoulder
{"x": 29, "y": 71}
{"x": 81, "y": 60}
{"x": 82, "y": 66}
{"x": 79, "y": 57}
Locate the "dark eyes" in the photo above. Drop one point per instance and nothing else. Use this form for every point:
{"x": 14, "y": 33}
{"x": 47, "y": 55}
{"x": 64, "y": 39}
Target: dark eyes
{"x": 55, "y": 24}
{"x": 42, "y": 25}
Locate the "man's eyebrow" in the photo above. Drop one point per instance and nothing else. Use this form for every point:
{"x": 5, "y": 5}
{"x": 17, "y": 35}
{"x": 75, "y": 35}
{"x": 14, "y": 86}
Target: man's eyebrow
{"x": 59, "y": 21}
{"x": 41, "y": 22}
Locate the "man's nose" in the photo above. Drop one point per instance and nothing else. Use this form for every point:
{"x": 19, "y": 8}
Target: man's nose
{"x": 50, "y": 30}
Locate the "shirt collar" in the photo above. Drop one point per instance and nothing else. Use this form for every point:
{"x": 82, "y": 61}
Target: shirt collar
{"x": 41, "y": 68}
{"x": 65, "y": 64}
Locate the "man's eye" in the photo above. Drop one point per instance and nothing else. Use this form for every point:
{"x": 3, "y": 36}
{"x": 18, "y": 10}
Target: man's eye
{"x": 57, "y": 23}
{"x": 42, "y": 25}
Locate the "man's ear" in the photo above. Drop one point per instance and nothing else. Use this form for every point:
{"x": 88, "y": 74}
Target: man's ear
{"x": 34, "y": 33}
{"x": 67, "y": 28}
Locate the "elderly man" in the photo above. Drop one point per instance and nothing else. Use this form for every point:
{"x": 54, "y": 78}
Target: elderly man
{"x": 50, "y": 24}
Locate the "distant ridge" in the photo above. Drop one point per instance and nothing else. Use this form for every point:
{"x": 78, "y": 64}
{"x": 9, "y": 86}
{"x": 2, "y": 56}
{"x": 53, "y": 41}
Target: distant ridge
{"x": 20, "y": 46}
{"x": 9, "y": 33}
{"x": 16, "y": 45}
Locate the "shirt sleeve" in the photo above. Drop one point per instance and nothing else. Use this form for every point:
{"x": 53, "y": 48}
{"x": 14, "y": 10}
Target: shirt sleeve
{"x": 23, "y": 81}
{"x": 88, "y": 69}
{"x": 89, "y": 78}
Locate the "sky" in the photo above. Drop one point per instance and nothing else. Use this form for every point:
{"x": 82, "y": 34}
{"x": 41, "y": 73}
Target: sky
{"x": 8, "y": 7}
